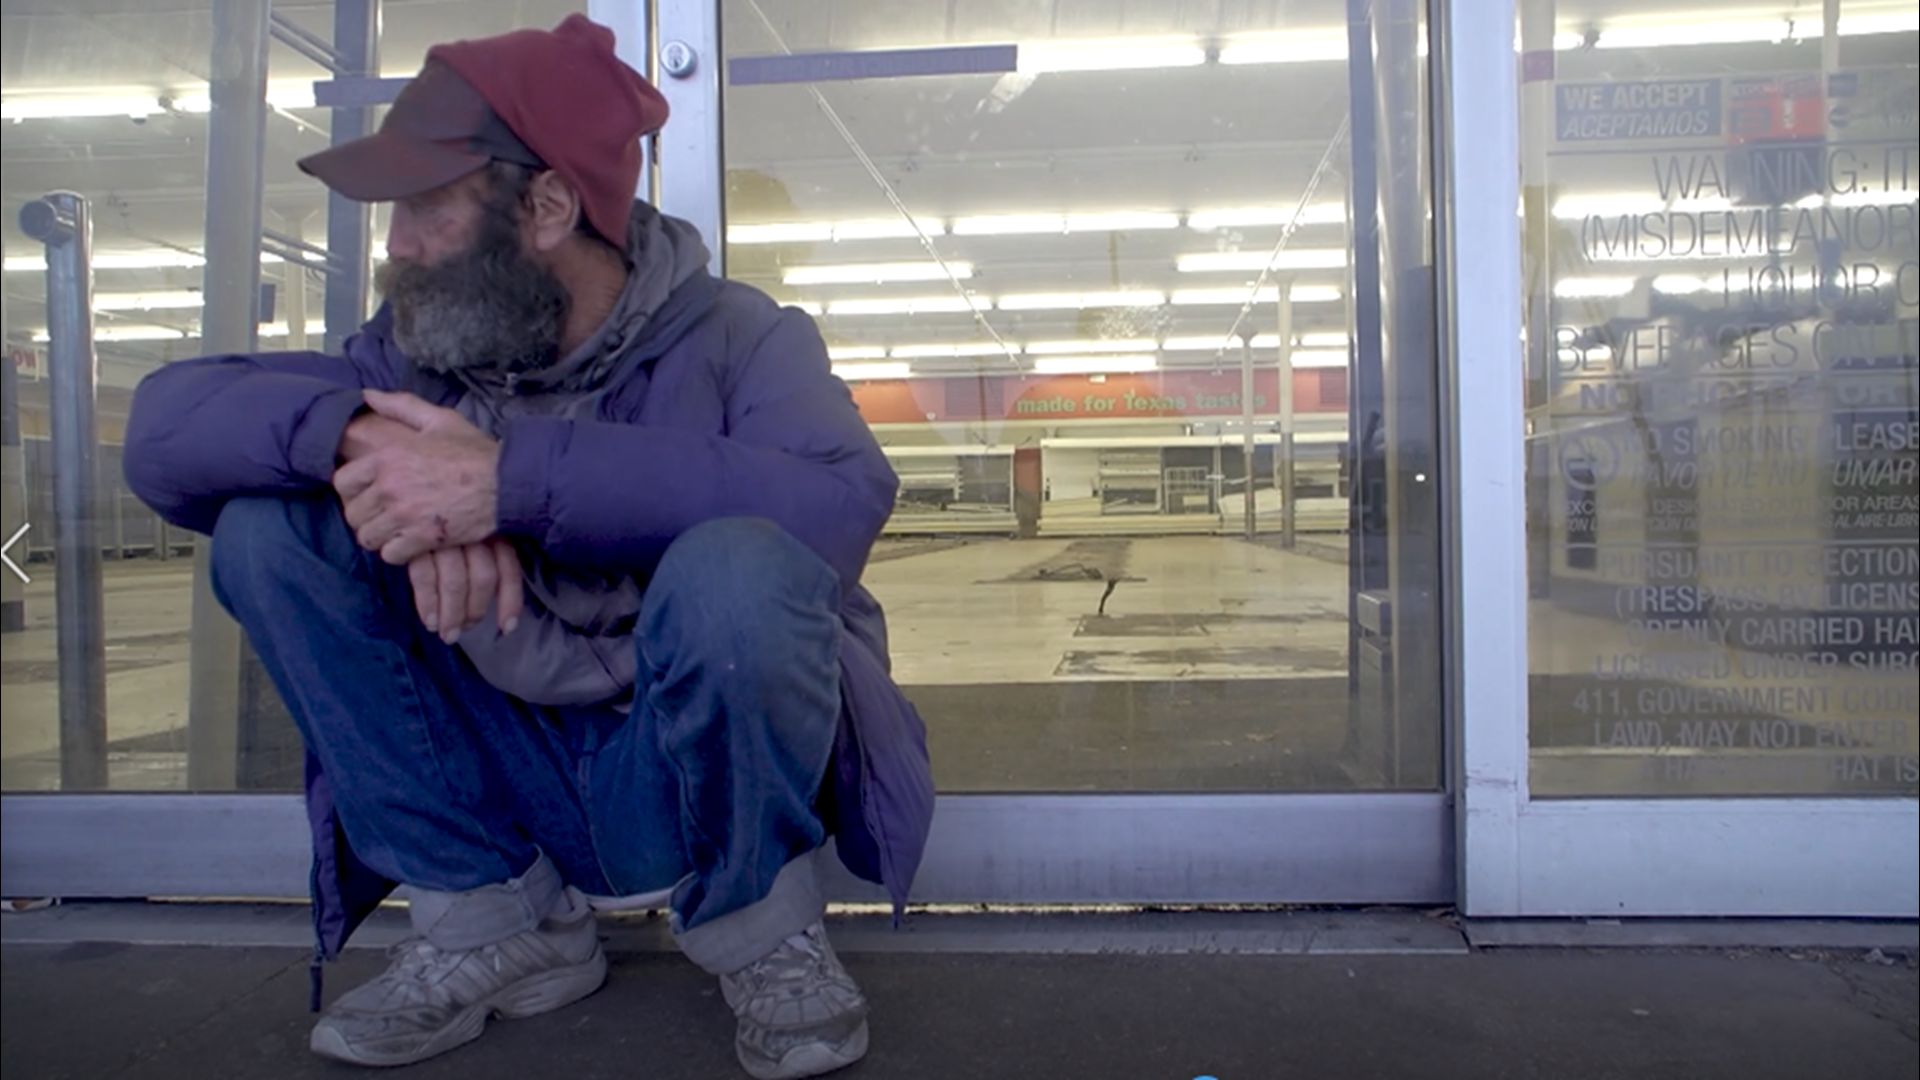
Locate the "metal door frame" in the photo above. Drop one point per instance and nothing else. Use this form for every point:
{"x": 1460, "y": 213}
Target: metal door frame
{"x": 1564, "y": 857}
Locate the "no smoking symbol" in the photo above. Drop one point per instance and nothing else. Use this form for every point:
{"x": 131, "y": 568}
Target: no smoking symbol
{"x": 1587, "y": 461}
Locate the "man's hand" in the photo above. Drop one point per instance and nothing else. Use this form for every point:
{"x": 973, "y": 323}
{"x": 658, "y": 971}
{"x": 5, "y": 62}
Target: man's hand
{"x": 369, "y": 432}
{"x": 453, "y": 587}
{"x": 411, "y": 493}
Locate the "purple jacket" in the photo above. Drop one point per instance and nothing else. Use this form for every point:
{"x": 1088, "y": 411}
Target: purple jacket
{"x": 727, "y": 403}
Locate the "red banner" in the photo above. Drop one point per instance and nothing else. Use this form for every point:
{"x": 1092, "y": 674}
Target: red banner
{"x": 1147, "y": 396}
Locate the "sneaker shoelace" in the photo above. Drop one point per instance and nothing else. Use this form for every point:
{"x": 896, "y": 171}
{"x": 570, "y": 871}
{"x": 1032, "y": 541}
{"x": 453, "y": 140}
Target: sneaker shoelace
{"x": 417, "y": 959}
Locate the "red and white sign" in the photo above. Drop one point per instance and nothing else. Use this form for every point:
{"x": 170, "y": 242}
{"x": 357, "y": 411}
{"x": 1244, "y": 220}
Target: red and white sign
{"x": 1067, "y": 398}
{"x": 29, "y": 362}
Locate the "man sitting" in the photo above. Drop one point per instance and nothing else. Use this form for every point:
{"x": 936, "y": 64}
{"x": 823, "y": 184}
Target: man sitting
{"x": 558, "y": 571}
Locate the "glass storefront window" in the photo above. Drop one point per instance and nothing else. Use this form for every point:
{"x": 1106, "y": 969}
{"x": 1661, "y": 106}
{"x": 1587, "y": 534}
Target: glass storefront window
{"x": 1137, "y": 298}
{"x": 1153, "y": 357}
{"x": 114, "y": 103}
{"x": 1721, "y": 222}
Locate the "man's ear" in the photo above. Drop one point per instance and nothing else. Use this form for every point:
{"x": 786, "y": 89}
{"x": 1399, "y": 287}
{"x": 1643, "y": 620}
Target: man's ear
{"x": 553, "y": 210}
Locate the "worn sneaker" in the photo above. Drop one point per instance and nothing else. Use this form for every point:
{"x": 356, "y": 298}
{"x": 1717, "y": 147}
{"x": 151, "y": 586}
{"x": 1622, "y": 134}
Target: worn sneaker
{"x": 431, "y": 1000}
{"x": 800, "y": 1012}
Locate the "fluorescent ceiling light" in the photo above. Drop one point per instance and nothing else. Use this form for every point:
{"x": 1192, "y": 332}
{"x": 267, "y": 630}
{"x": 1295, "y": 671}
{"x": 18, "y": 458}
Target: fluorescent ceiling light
{"x": 1217, "y": 342}
{"x": 156, "y": 259}
{"x": 1679, "y": 285}
{"x": 1132, "y": 298}
{"x": 1314, "y": 294}
{"x": 808, "y": 232}
{"x": 1893, "y": 22}
{"x": 153, "y": 301}
{"x": 923, "y": 305}
{"x": 1859, "y": 198}
{"x": 856, "y": 352}
{"x": 1114, "y": 55}
{"x": 1731, "y": 32}
{"x": 935, "y": 351}
{"x": 1627, "y": 204}
{"x": 1628, "y": 250}
{"x": 1225, "y": 297}
{"x": 1593, "y": 354}
{"x": 1581, "y": 207}
{"x": 1299, "y": 360}
{"x": 1009, "y": 224}
{"x": 1323, "y": 341}
{"x": 858, "y": 372}
{"x": 1593, "y": 288}
{"x": 1703, "y": 29}
{"x": 1092, "y": 345}
{"x": 280, "y": 95}
{"x": 139, "y": 104}
{"x": 1126, "y": 221}
{"x": 127, "y": 333}
{"x": 884, "y": 229}
{"x": 873, "y": 273}
{"x": 1095, "y": 365}
{"x": 1234, "y": 297}
{"x": 810, "y": 307}
{"x": 1304, "y": 259}
{"x": 791, "y": 233}
{"x": 1319, "y": 358}
{"x": 280, "y": 329}
{"x": 1247, "y": 217}
{"x": 1294, "y": 48}
{"x": 106, "y": 102}
{"x": 117, "y": 334}
{"x": 1038, "y": 224}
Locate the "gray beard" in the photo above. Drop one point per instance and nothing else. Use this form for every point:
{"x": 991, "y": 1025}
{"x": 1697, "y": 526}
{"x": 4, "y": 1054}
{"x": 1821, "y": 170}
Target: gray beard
{"x": 489, "y": 308}
{"x": 448, "y": 335}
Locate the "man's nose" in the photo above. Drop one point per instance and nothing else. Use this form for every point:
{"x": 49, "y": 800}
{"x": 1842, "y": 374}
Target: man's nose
{"x": 403, "y": 241}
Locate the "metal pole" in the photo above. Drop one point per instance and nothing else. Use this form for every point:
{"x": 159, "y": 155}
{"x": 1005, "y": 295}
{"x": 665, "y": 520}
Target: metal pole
{"x": 236, "y": 132}
{"x": 13, "y": 493}
{"x": 60, "y": 222}
{"x": 1829, "y": 39}
{"x": 356, "y": 43}
{"x": 293, "y": 289}
{"x": 1246, "y": 431}
{"x": 1412, "y": 386}
{"x": 1538, "y": 24}
{"x": 1366, "y": 381}
{"x": 633, "y": 26}
{"x": 1289, "y": 520}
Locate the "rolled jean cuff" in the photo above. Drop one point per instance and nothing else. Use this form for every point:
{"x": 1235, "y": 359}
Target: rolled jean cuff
{"x": 738, "y": 938}
{"x": 492, "y": 913}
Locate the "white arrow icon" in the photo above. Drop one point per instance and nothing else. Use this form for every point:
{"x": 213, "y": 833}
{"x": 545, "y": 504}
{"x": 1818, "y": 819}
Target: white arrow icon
{"x": 12, "y": 540}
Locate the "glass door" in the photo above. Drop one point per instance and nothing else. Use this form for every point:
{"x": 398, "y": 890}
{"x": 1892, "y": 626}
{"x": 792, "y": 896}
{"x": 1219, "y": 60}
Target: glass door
{"x": 1718, "y": 261}
{"x": 1139, "y": 303}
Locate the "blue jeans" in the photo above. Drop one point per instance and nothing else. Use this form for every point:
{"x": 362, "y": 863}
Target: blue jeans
{"x": 707, "y": 786}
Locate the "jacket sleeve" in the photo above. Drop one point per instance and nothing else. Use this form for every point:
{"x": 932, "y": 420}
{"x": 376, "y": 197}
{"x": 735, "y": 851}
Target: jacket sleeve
{"x": 796, "y": 452}
{"x": 200, "y": 432}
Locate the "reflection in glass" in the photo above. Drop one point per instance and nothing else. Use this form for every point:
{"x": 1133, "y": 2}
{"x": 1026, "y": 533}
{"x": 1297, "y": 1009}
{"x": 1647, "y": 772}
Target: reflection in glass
{"x": 1110, "y": 313}
{"x": 115, "y": 104}
{"x": 1721, "y": 242}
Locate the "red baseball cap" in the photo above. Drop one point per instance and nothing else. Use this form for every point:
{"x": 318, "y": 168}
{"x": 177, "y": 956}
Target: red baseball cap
{"x": 559, "y": 100}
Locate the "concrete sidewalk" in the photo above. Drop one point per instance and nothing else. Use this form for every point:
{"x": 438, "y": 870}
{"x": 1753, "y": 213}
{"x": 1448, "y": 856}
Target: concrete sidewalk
{"x": 1321, "y": 996}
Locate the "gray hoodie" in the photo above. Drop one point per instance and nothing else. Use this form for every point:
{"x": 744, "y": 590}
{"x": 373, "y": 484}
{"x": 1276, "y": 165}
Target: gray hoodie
{"x": 574, "y": 644}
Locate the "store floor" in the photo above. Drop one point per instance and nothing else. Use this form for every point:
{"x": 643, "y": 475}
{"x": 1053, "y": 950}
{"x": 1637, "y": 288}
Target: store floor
{"x": 1150, "y": 664}
{"x": 1249, "y": 996}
